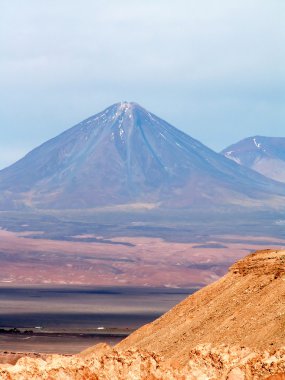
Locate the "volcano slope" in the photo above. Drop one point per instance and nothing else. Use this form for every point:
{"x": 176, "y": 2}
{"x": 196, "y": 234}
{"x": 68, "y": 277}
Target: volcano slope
{"x": 127, "y": 155}
{"x": 230, "y": 330}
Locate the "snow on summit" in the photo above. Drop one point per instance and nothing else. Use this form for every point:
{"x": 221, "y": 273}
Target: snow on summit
{"x": 122, "y": 155}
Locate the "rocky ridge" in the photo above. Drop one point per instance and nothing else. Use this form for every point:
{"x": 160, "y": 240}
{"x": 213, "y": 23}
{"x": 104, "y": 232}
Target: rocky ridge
{"x": 205, "y": 362}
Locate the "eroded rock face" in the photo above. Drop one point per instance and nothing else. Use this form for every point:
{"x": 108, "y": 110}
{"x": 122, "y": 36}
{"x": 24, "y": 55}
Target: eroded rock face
{"x": 205, "y": 363}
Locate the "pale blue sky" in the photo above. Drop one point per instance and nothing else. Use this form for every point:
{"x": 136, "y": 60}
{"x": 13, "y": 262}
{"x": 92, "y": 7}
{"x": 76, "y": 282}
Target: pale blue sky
{"x": 213, "y": 68}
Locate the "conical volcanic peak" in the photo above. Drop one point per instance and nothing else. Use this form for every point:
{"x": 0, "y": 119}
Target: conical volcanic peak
{"x": 122, "y": 155}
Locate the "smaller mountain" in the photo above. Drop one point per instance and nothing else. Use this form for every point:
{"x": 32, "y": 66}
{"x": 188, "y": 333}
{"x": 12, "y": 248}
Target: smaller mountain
{"x": 266, "y": 155}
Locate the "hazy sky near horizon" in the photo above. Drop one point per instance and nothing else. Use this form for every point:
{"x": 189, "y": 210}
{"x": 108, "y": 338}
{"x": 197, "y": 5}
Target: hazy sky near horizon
{"x": 214, "y": 69}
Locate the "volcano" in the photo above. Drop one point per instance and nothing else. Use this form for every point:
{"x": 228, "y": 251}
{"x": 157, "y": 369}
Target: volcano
{"x": 127, "y": 155}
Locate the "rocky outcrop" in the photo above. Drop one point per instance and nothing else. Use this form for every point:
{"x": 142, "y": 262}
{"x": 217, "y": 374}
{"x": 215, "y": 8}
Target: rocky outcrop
{"x": 204, "y": 363}
{"x": 12, "y": 357}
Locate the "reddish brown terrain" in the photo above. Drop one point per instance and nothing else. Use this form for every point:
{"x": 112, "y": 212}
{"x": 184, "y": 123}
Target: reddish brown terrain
{"x": 232, "y": 329}
{"x": 130, "y": 261}
{"x": 246, "y": 307}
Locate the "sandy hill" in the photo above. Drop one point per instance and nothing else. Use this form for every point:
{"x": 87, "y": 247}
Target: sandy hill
{"x": 246, "y": 308}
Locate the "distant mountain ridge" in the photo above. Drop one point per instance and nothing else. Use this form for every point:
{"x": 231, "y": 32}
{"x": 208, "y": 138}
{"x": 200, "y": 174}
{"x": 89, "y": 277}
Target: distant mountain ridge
{"x": 124, "y": 155}
{"x": 265, "y": 155}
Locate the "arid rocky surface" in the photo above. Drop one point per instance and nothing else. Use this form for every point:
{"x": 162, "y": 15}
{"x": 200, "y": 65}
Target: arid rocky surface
{"x": 204, "y": 363}
{"x": 231, "y": 330}
{"x": 246, "y": 307}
